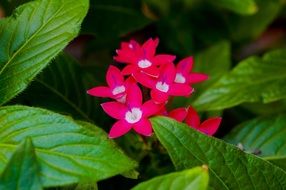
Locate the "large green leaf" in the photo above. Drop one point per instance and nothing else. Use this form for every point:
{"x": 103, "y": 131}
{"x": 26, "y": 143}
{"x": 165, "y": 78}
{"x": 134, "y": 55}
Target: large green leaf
{"x": 230, "y": 168}
{"x": 278, "y": 161}
{"x": 63, "y": 86}
{"x": 253, "y": 80}
{"x": 271, "y": 108}
{"x": 243, "y": 7}
{"x": 214, "y": 61}
{"x": 22, "y": 171}
{"x": 31, "y": 37}
{"x": 265, "y": 135}
{"x": 191, "y": 179}
{"x": 112, "y": 19}
{"x": 68, "y": 152}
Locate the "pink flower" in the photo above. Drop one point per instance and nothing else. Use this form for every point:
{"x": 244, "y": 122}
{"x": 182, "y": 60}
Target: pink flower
{"x": 184, "y": 75}
{"x": 191, "y": 117}
{"x": 132, "y": 114}
{"x": 142, "y": 58}
{"x": 164, "y": 86}
{"x": 116, "y": 86}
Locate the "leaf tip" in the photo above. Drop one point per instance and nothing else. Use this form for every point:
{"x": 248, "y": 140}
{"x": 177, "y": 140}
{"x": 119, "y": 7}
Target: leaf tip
{"x": 205, "y": 168}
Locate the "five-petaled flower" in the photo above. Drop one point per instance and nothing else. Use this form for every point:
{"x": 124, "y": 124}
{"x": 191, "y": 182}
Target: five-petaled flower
{"x": 158, "y": 75}
{"x": 132, "y": 114}
{"x": 165, "y": 85}
{"x": 116, "y": 86}
{"x": 142, "y": 58}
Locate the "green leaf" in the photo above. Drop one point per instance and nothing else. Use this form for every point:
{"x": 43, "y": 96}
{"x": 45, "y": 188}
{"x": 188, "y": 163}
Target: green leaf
{"x": 112, "y": 19}
{"x": 22, "y": 171}
{"x": 179, "y": 38}
{"x": 214, "y": 61}
{"x": 31, "y": 37}
{"x": 192, "y": 179}
{"x": 278, "y": 161}
{"x": 63, "y": 86}
{"x": 230, "y": 168}
{"x": 68, "y": 152}
{"x": 86, "y": 187}
{"x": 266, "y": 135}
{"x": 132, "y": 174}
{"x": 253, "y": 80}
{"x": 244, "y": 7}
{"x": 271, "y": 108}
{"x": 249, "y": 27}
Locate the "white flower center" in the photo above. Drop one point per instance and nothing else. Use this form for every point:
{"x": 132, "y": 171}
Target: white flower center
{"x": 144, "y": 63}
{"x": 118, "y": 90}
{"x": 133, "y": 116}
{"x": 180, "y": 78}
{"x": 163, "y": 87}
{"x": 130, "y": 46}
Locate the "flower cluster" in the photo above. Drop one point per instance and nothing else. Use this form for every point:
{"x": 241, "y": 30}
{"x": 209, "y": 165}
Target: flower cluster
{"x": 155, "y": 73}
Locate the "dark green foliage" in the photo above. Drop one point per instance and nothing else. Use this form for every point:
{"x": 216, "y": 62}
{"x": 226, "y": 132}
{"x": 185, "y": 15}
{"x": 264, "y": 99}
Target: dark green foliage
{"x": 240, "y": 44}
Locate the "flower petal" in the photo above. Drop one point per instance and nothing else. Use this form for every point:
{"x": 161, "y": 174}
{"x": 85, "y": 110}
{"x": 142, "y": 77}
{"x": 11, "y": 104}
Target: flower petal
{"x": 119, "y": 128}
{"x": 150, "y": 108}
{"x": 143, "y": 127}
{"x": 152, "y": 71}
{"x": 100, "y": 91}
{"x": 129, "y": 69}
{"x": 193, "y": 118}
{"x": 135, "y": 45}
{"x": 125, "y": 45}
{"x": 185, "y": 65}
{"x": 144, "y": 79}
{"x": 167, "y": 74}
{"x": 180, "y": 90}
{"x": 130, "y": 81}
{"x": 114, "y": 109}
{"x": 150, "y": 46}
{"x": 163, "y": 111}
{"x": 178, "y": 114}
{"x": 197, "y": 77}
{"x": 123, "y": 57}
{"x": 159, "y": 97}
{"x": 114, "y": 77}
{"x": 134, "y": 96}
{"x": 162, "y": 59}
{"x": 210, "y": 126}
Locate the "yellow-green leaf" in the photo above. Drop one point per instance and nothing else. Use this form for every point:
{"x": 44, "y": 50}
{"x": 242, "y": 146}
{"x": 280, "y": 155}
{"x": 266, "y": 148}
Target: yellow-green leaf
{"x": 191, "y": 179}
{"x": 253, "y": 80}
